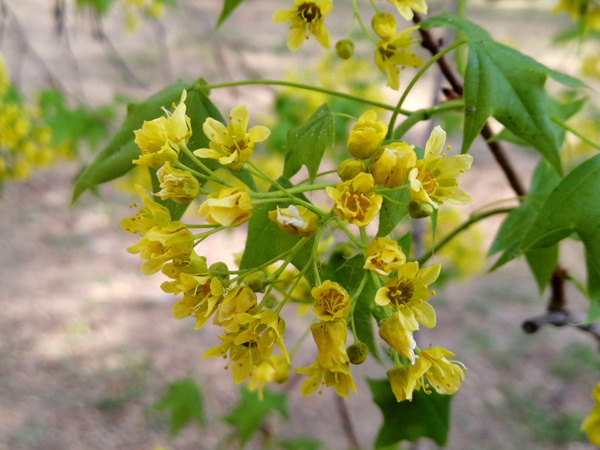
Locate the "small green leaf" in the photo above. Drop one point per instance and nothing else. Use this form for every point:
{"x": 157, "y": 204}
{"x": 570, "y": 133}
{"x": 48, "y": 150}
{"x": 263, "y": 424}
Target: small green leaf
{"x": 266, "y": 240}
{"x": 185, "y": 402}
{"x": 301, "y": 444}
{"x": 542, "y": 262}
{"x": 391, "y": 212}
{"x": 424, "y": 416}
{"x": 573, "y": 206}
{"x": 115, "y": 159}
{"x": 228, "y": 7}
{"x": 505, "y": 84}
{"x": 251, "y": 411}
{"x": 307, "y": 143}
{"x": 405, "y": 242}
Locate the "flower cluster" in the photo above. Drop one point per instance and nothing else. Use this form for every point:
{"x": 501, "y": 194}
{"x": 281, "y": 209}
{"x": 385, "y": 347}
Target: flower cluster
{"x": 591, "y": 424}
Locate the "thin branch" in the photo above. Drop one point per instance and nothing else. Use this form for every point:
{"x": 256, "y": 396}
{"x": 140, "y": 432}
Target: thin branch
{"x": 346, "y": 422}
{"x": 560, "y": 318}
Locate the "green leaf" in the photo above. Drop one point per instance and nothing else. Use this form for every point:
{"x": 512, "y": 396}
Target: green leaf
{"x": 405, "y": 242}
{"x": 301, "y": 444}
{"x": 573, "y": 207}
{"x": 249, "y": 414}
{"x": 307, "y": 143}
{"x": 542, "y": 262}
{"x": 115, "y": 159}
{"x": 515, "y": 226}
{"x": 101, "y": 6}
{"x": 424, "y": 416}
{"x": 185, "y": 402}
{"x": 228, "y": 7}
{"x": 505, "y": 84}
{"x": 266, "y": 240}
{"x": 392, "y": 213}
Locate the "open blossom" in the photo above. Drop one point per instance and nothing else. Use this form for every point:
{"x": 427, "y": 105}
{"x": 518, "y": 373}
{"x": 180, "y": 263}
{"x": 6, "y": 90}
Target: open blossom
{"x": 392, "y": 50}
{"x": 331, "y": 301}
{"x": 444, "y": 375}
{"x": 340, "y": 379}
{"x": 307, "y": 18}
{"x": 366, "y": 135}
{"x": 240, "y": 299}
{"x": 158, "y": 138}
{"x": 398, "y": 334}
{"x": 407, "y": 379}
{"x": 407, "y": 293}
{"x": 176, "y": 184}
{"x": 433, "y": 180}
{"x": 406, "y": 7}
{"x": 296, "y": 220}
{"x": 391, "y": 164}
{"x": 384, "y": 256}
{"x": 232, "y": 145}
{"x": 162, "y": 244}
{"x": 230, "y": 207}
{"x": 356, "y": 200}
{"x": 151, "y": 215}
{"x": 201, "y": 296}
{"x": 250, "y": 346}
{"x": 330, "y": 338}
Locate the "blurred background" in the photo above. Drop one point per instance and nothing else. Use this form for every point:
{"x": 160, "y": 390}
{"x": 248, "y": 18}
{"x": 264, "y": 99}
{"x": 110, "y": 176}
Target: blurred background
{"x": 88, "y": 343}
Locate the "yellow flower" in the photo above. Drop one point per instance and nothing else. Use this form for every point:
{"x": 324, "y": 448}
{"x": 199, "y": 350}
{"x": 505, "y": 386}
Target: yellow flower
{"x": 307, "y": 18}
{"x": 340, "y": 379}
{"x": 330, "y": 338}
{"x": 251, "y": 346}
{"x": 366, "y": 135}
{"x": 407, "y": 379}
{"x": 193, "y": 264}
{"x": 444, "y": 375}
{"x": 398, "y": 334}
{"x": 232, "y": 145}
{"x": 384, "y": 256}
{"x": 406, "y": 7}
{"x": 407, "y": 293}
{"x": 295, "y": 220}
{"x": 161, "y": 244}
{"x": 201, "y": 297}
{"x": 275, "y": 369}
{"x": 391, "y": 164}
{"x": 178, "y": 185}
{"x": 230, "y": 207}
{"x": 240, "y": 299}
{"x": 331, "y": 301}
{"x": 350, "y": 168}
{"x": 392, "y": 50}
{"x": 151, "y": 215}
{"x": 587, "y": 10}
{"x": 158, "y": 139}
{"x": 591, "y": 424}
{"x": 433, "y": 180}
{"x": 356, "y": 200}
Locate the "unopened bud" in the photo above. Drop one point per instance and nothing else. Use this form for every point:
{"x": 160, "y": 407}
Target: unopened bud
{"x": 256, "y": 281}
{"x": 357, "y": 353}
{"x": 344, "y": 48}
{"x": 349, "y": 168}
{"x": 221, "y": 267}
{"x": 418, "y": 210}
{"x": 269, "y": 301}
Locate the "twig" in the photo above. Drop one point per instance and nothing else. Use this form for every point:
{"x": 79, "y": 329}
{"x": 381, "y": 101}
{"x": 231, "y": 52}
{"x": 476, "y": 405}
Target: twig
{"x": 346, "y": 422}
{"x": 560, "y": 318}
{"x": 165, "y": 57}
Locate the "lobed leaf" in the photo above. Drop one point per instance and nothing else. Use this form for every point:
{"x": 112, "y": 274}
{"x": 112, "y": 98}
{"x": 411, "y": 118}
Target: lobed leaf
{"x": 228, "y": 7}
{"x": 185, "y": 402}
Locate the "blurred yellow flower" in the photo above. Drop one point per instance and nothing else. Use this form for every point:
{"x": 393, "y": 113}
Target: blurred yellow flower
{"x": 392, "y": 51}
{"x": 433, "y": 180}
{"x": 151, "y": 215}
{"x": 398, "y": 334}
{"x": 296, "y": 220}
{"x": 384, "y": 256}
{"x": 307, "y": 18}
{"x": 591, "y": 424}
{"x": 391, "y": 164}
{"x": 232, "y": 145}
{"x": 331, "y": 301}
{"x": 356, "y": 200}
{"x": 366, "y": 135}
{"x": 230, "y": 207}
{"x": 406, "y": 7}
{"x": 406, "y": 379}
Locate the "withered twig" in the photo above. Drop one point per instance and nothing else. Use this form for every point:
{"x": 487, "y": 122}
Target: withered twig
{"x": 560, "y": 318}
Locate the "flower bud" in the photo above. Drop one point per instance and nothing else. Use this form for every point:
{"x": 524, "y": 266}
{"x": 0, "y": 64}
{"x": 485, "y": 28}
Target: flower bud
{"x": 221, "y": 267}
{"x": 344, "y": 48}
{"x": 366, "y": 135}
{"x": 358, "y": 353}
{"x": 256, "y": 281}
{"x": 418, "y": 210}
{"x": 350, "y": 168}
{"x": 270, "y": 301}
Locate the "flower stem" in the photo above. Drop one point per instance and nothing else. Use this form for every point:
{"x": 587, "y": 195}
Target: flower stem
{"x": 575, "y": 132}
{"x": 362, "y": 25}
{"x": 345, "y": 229}
{"x": 200, "y": 164}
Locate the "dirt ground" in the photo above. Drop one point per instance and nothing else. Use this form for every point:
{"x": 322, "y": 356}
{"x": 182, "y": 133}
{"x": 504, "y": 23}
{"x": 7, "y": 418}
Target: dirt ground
{"x": 88, "y": 343}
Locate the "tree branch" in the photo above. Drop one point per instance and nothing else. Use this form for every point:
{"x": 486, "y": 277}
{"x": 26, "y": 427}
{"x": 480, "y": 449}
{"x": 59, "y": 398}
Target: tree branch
{"x": 560, "y": 318}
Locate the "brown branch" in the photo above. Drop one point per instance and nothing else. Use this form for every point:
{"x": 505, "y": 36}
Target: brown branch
{"x": 346, "y": 422}
{"x": 560, "y": 318}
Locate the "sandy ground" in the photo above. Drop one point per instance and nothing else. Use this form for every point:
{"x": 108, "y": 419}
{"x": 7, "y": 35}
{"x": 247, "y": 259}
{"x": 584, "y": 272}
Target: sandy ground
{"x": 87, "y": 343}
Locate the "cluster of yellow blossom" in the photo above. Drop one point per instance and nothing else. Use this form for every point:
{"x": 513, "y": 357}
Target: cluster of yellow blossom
{"x": 135, "y": 8}
{"x": 591, "y": 424}
{"x": 392, "y": 53}
{"x": 586, "y": 10}
{"x": 25, "y": 140}
{"x": 251, "y": 329}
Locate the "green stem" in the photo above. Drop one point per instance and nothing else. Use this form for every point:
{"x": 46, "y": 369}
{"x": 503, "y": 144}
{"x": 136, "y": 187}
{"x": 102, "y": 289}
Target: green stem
{"x": 426, "y": 114}
{"x": 200, "y": 164}
{"x": 345, "y": 229}
{"x": 426, "y": 66}
{"x": 200, "y": 226}
{"x": 306, "y": 87}
{"x": 354, "y": 301}
{"x": 404, "y": 187}
{"x": 362, "y": 25}
{"x": 306, "y": 180}
{"x": 301, "y": 340}
{"x": 198, "y": 174}
{"x": 291, "y": 191}
{"x": 200, "y": 237}
{"x": 460, "y": 228}
{"x": 314, "y": 255}
{"x": 575, "y": 132}
{"x": 389, "y": 199}
{"x": 268, "y": 200}
{"x": 374, "y": 6}
{"x": 292, "y": 252}
{"x": 363, "y": 235}
{"x": 288, "y": 295}
{"x": 345, "y": 116}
